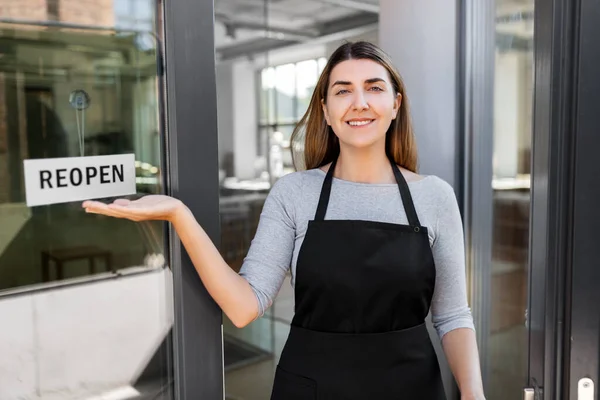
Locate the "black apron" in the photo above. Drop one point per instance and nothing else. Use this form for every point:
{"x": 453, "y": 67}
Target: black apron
{"x": 362, "y": 292}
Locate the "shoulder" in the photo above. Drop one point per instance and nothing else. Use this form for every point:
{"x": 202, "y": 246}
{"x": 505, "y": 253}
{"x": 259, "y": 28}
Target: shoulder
{"x": 292, "y": 185}
{"x": 433, "y": 192}
{"x": 432, "y": 185}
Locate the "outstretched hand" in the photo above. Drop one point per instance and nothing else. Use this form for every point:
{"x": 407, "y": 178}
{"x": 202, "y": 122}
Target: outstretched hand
{"x": 151, "y": 207}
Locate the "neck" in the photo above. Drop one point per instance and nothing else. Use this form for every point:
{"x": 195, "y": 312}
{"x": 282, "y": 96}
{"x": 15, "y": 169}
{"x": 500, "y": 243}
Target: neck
{"x": 364, "y": 166}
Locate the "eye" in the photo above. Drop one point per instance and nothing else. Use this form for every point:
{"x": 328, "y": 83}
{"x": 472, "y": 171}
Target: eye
{"x": 342, "y": 91}
{"x": 376, "y": 89}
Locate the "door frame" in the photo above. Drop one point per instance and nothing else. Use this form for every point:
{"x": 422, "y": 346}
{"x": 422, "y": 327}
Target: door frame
{"x": 583, "y": 325}
{"x": 477, "y": 118}
{"x": 568, "y": 167}
{"x": 563, "y": 285}
{"x": 193, "y": 171}
{"x": 556, "y": 284}
{"x": 549, "y": 217}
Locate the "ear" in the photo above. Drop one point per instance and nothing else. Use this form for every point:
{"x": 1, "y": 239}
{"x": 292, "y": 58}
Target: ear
{"x": 397, "y": 104}
{"x": 324, "y": 106}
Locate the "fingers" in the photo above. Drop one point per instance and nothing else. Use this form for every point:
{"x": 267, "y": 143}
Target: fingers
{"x": 90, "y": 203}
{"x": 122, "y": 202}
{"x": 97, "y": 205}
{"x": 111, "y": 210}
{"x": 107, "y": 212}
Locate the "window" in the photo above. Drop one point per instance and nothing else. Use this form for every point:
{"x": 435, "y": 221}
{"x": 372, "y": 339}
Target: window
{"x": 53, "y": 10}
{"x": 87, "y": 298}
{"x": 285, "y": 93}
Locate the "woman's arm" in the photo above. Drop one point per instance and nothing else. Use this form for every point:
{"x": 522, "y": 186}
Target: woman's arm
{"x": 231, "y": 292}
{"x": 460, "y": 347}
{"x": 245, "y": 296}
{"x": 450, "y": 311}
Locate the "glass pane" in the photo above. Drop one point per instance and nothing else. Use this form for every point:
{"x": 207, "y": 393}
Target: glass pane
{"x": 322, "y": 62}
{"x": 246, "y": 98}
{"x": 285, "y": 88}
{"x": 261, "y": 96}
{"x": 267, "y": 106}
{"x": 511, "y": 184}
{"x": 84, "y": 299}
{"x": 281, "y": 161}
{"x": 306, "y": 81}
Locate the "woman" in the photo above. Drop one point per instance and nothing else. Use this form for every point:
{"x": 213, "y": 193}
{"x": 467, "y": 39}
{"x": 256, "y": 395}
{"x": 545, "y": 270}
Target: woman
{"x": 372, "y": 246}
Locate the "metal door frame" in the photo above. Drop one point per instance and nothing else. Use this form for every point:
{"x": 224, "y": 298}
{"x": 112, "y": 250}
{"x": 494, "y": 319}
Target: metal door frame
{"x": 560, "y": 278}
{"x": 192, "y": 159}
{"x": 477, "y": 116}
{"x": 563, "y": 209}
{"x": 563, "y": 286}
{"x": 568, "y": 83}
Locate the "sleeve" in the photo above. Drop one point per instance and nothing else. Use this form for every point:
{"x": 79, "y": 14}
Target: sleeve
{"x": 449, "y": 308}
{"x": 271, "y": 249}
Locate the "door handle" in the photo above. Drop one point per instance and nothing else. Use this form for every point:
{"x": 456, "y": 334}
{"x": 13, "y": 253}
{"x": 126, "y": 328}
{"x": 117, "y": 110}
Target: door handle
{"x": 585, "y": 389}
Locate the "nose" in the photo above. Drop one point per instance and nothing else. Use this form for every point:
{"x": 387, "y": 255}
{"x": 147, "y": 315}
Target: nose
{"x": 360, "y": 102}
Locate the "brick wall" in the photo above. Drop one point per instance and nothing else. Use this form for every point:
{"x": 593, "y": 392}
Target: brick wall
{"x": 87, "y": 12}
{"x": 84, "y": 12}
{"x": 23, "y": 9}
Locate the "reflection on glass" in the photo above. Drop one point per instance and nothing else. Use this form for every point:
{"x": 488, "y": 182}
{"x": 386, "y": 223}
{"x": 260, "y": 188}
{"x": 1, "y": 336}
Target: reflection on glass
{"x": 511, "y": 167}
{"x": 101, "y": 325}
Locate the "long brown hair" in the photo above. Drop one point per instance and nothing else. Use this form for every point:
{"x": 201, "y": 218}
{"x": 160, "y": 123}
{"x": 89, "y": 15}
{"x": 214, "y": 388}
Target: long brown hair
{"x": 317, "y": 141}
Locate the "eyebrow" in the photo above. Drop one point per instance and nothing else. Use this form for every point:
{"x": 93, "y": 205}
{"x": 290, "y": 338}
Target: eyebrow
{"x": 347, "y": 83}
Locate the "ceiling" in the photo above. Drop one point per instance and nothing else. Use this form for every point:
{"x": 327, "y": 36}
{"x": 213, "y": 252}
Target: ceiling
{"x": 248, "y": 27}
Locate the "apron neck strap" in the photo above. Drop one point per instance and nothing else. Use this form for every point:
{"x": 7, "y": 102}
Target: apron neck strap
{"x": 407, "y": 201}
{"x": 325, "y": 192}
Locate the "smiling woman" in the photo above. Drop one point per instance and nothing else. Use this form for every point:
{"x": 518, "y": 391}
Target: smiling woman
{"x": 371, "y": 246}
{"x": 374, "y": 96}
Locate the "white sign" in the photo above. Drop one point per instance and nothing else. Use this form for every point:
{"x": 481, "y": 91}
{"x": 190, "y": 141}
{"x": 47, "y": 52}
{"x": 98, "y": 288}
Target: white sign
{"x": 62, "y": 180}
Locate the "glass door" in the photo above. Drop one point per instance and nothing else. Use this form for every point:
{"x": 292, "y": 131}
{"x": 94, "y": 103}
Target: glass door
{"x": 507, "y": 342}
{"x": 499, "y": 112}
{"x": 86, "y": 302}
{"x": 534, "y": 280}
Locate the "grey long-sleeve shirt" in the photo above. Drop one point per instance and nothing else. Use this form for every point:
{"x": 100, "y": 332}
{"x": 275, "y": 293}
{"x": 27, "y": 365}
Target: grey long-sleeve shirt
{"x": 293, "y": 200}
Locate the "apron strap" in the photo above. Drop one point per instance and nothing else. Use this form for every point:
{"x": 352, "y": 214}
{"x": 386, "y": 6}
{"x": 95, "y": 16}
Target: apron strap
{"x": 325, "y": 192}
{"x": 407, "y": 201}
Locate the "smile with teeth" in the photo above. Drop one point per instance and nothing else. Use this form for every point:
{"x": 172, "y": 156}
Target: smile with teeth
{"x": 360, "y": 123}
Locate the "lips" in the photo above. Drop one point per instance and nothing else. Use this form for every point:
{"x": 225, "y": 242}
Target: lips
{"x": 359, "y": 122}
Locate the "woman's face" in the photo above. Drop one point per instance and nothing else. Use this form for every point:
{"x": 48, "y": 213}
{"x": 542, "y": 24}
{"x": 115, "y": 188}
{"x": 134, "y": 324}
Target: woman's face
{"x": 361, "y": 103}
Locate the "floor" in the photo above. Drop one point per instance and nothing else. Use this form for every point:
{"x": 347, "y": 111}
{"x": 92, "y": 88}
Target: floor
{"x": 508, "y": 364}
{"x": 254, "y": 381}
